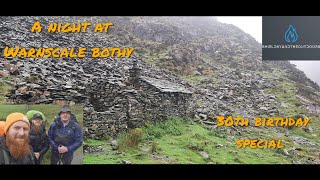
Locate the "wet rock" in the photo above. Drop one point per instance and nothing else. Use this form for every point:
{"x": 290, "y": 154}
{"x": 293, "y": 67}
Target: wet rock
{"x": 308, "y": 129}
{"x": 162, "y": 158}
{"x": 4, "y": 73}
{"x": 204, "y": 154}
{"x": 114, "y": 145}
{"x": 219, "y": 146}
{"x": 92, "y": 149}
{"x": 125, "y": 162}
{"x": 285, "y": 151}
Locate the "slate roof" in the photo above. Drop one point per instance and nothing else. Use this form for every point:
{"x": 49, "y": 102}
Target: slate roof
{"x": 165, "y": 86}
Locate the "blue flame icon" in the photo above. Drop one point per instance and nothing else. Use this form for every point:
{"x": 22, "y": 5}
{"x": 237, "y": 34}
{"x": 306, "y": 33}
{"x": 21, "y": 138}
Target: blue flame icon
{"x": 291, "y": 34}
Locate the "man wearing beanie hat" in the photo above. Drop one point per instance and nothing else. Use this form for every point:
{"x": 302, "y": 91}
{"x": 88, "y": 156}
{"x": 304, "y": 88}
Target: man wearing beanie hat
{"x": 14, "y": 144}
{"x": 65, "y": 136}
{"x": 38, "y": 137}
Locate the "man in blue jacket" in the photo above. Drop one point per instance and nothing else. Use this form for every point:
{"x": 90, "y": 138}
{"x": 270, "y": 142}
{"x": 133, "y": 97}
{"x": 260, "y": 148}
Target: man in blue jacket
{"x": 65, "y": 136}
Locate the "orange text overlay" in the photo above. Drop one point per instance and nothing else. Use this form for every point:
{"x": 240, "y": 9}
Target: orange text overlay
{"x": 272, "y": 122}
{"x": 71, "y": 27}
{"x": 66, "y": 52}
{"x": 261, "y": 144}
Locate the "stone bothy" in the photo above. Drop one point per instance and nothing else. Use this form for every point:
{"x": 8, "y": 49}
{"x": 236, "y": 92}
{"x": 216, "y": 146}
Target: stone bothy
{"x": 117, "y": 106}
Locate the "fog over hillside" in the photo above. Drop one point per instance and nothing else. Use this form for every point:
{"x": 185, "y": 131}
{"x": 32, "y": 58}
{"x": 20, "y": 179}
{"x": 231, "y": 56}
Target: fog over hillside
{"x": 310, "y": 68}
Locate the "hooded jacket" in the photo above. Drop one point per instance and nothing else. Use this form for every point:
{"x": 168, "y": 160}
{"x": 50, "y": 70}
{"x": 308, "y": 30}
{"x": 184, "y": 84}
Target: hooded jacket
{"x": 39, "y": 142}
{"x": 69, "y": 136}
{"x": 3, "y": 149}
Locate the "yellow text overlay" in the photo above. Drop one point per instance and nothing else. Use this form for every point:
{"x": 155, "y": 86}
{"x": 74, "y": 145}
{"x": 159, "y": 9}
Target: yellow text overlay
{"x": 66, "y": 52}
{"x": 261, "y": 144}
{"x": 272, "y": 122}
{"x": 71, "y": 27}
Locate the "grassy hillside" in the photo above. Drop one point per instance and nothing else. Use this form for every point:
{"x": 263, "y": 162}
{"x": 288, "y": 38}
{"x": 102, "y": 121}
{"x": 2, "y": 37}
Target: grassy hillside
{"x": 180, "y": 141}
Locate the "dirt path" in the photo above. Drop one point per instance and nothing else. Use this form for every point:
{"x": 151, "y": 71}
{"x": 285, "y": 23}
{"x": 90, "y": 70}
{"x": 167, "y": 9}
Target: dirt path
{"x": 78, "y": 156}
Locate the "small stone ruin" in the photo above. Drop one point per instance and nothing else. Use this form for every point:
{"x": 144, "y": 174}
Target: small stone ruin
{"x": 116, "y": 106}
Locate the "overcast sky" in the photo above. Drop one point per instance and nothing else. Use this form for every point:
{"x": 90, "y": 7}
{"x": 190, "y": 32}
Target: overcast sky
{"x": 253, "y": 26}
{"x": 249, "y": 24}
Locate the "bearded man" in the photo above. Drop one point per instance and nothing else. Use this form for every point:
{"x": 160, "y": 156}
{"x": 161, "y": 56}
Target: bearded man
{"x": 14, "y": 144}
{"x": 38, "y": 137}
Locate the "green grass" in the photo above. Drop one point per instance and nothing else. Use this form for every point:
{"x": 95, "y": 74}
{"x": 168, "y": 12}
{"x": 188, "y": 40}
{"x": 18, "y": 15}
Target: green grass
{"x": 286, "y": 93}
{"x": 314, "y": 123}
{"x": 5, "y": 88}
{"x": 275, "y": 74}
{"x": 194, "y": 79}
{"x": 130, "y": 139}
{"x": 179, "y": 141}
{"x": 173, "y": 126}
{"x": 50, "y": 111}
{"x": 5, "y": 110}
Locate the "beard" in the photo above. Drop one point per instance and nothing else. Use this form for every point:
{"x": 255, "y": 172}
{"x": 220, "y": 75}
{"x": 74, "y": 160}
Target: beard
{"x": 18, "y": 146}
{"x": 36, "y": 128}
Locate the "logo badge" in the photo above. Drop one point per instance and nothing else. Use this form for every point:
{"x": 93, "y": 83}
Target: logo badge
{"x": 291, "y": 34}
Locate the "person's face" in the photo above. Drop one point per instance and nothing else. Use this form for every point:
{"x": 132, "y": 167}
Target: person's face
{"x": 17, "y": 139}
{"x": 37, "y": 122}
{"x": 19, "y": 131}
{"x": 65, "y": 116}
